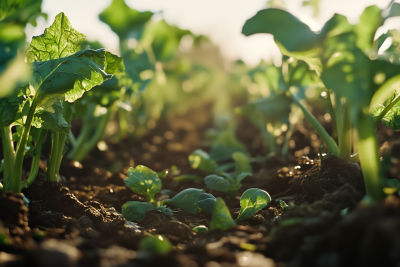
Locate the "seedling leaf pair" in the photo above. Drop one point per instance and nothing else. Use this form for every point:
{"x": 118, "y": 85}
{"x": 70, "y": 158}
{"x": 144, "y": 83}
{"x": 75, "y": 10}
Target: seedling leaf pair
{"x": 143, "y": 180}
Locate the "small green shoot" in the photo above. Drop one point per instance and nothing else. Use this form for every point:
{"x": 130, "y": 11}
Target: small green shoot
{"x": 251, "y": 201}
{"x": 143, "y": 180}
{"x": 231, "y": 182}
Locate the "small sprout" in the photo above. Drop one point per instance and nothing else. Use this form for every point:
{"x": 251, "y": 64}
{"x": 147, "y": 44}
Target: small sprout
{"x": 285, "y": 207}
{"x": 201, "y": 160}
{"x": 251, "y": 201}
{"x": 143, "y": 180}
{"x": 200, "y": 229}
{"x": 155, "y": 245}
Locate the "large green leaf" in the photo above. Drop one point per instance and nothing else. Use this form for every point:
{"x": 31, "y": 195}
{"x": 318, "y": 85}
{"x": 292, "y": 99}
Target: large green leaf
{"x": 284, "y": 26}
{"x": 251, "y": 201}
{"x": 221, "y": 218}
{"x": 186, "y": 200}
{"x": 51, "y": 118}
{"x": 143, "y": 180}
{"x": 136, "y": 211}
{"x": 58, "y": 41}
{"x": 122, "y": 19}
{"x": 72, "y": 75}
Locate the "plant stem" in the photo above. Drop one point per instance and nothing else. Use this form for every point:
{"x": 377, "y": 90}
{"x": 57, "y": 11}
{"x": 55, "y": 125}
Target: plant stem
{"x": 15, "y": 183}
{"x": 330, "y": 144}
{"x": 8, "y": 153}
{"x": 369, "y": 156}
{"x": 51, "y": 167}
{"x": 35, "y": 162}
{"x": 285, "y": 147}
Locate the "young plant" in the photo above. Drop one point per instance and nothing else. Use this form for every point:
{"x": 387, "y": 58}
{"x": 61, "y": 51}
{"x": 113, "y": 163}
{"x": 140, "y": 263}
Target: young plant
{"x": 228, "y": 182}
{"x": 62, "y": 72}
{"x": 251, "y": 201}
{"x": 347, "y": 60}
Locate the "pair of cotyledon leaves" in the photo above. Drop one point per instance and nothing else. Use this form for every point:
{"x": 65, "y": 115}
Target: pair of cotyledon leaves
{"x": 143, "y": 180}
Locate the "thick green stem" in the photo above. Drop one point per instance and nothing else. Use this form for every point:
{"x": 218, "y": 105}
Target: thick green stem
{"x": 35, "y": 161}
{"x": 15, "y": 183}
{"x": 330, "y": 144}
{"x": 8, "y": 153}
{"x": 51, "y": 167}
{"x": 369, "y": 157}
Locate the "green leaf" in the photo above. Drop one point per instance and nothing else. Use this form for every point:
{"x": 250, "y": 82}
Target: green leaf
{"x": 114, "y": 64}
{"x": 51, "y": 118}
{"x": 370, "y": 21}
{"x": 186, "y": 200}
{"x": 143, "y": 180}
{"x": 288, "y": 30}
{"x": 71, "y": 76}
{"x": 164, "y": 209}
{"x": 200, "y": 159}
{"x": 394, "y": 11}
{"x": 221, "y": 218}
{"x": 58, "y": 41}
{"x": 155, "y": 244}
{"x": 392, "y": 117}
{"x": 219, "y": 183}
{"x": 126, "y": 20}
{"x": 251, "y": 201}
{"x": 135, "y": 210}
{"x": 9, "y": 107}
{"x": 206, "y": 202}
{"x": 225, "y": 145}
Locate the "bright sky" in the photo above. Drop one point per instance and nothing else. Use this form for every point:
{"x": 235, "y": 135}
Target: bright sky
{"x": 221, "y": 20}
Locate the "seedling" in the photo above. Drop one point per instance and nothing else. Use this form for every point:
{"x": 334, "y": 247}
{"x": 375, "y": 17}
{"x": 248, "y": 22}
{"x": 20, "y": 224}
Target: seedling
{"x": 63, "y": 70}
{"x": 231, "y": 182}
{"x": 251, "y": 201}
{"x": 221, "y": 218}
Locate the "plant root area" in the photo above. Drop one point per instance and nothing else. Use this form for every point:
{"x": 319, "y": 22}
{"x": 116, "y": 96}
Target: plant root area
{"x": 77, "y": 222}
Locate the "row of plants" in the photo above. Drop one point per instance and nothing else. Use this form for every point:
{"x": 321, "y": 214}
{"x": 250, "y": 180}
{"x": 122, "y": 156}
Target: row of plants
{"x": 69, "y": 78}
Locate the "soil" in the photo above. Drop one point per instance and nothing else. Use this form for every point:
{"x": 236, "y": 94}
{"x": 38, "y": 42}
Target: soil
{"x": 77, "y": 222}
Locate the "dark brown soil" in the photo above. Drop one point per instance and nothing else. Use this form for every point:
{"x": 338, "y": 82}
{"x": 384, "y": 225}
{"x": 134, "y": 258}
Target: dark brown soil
{"x": 77, "y": 223}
